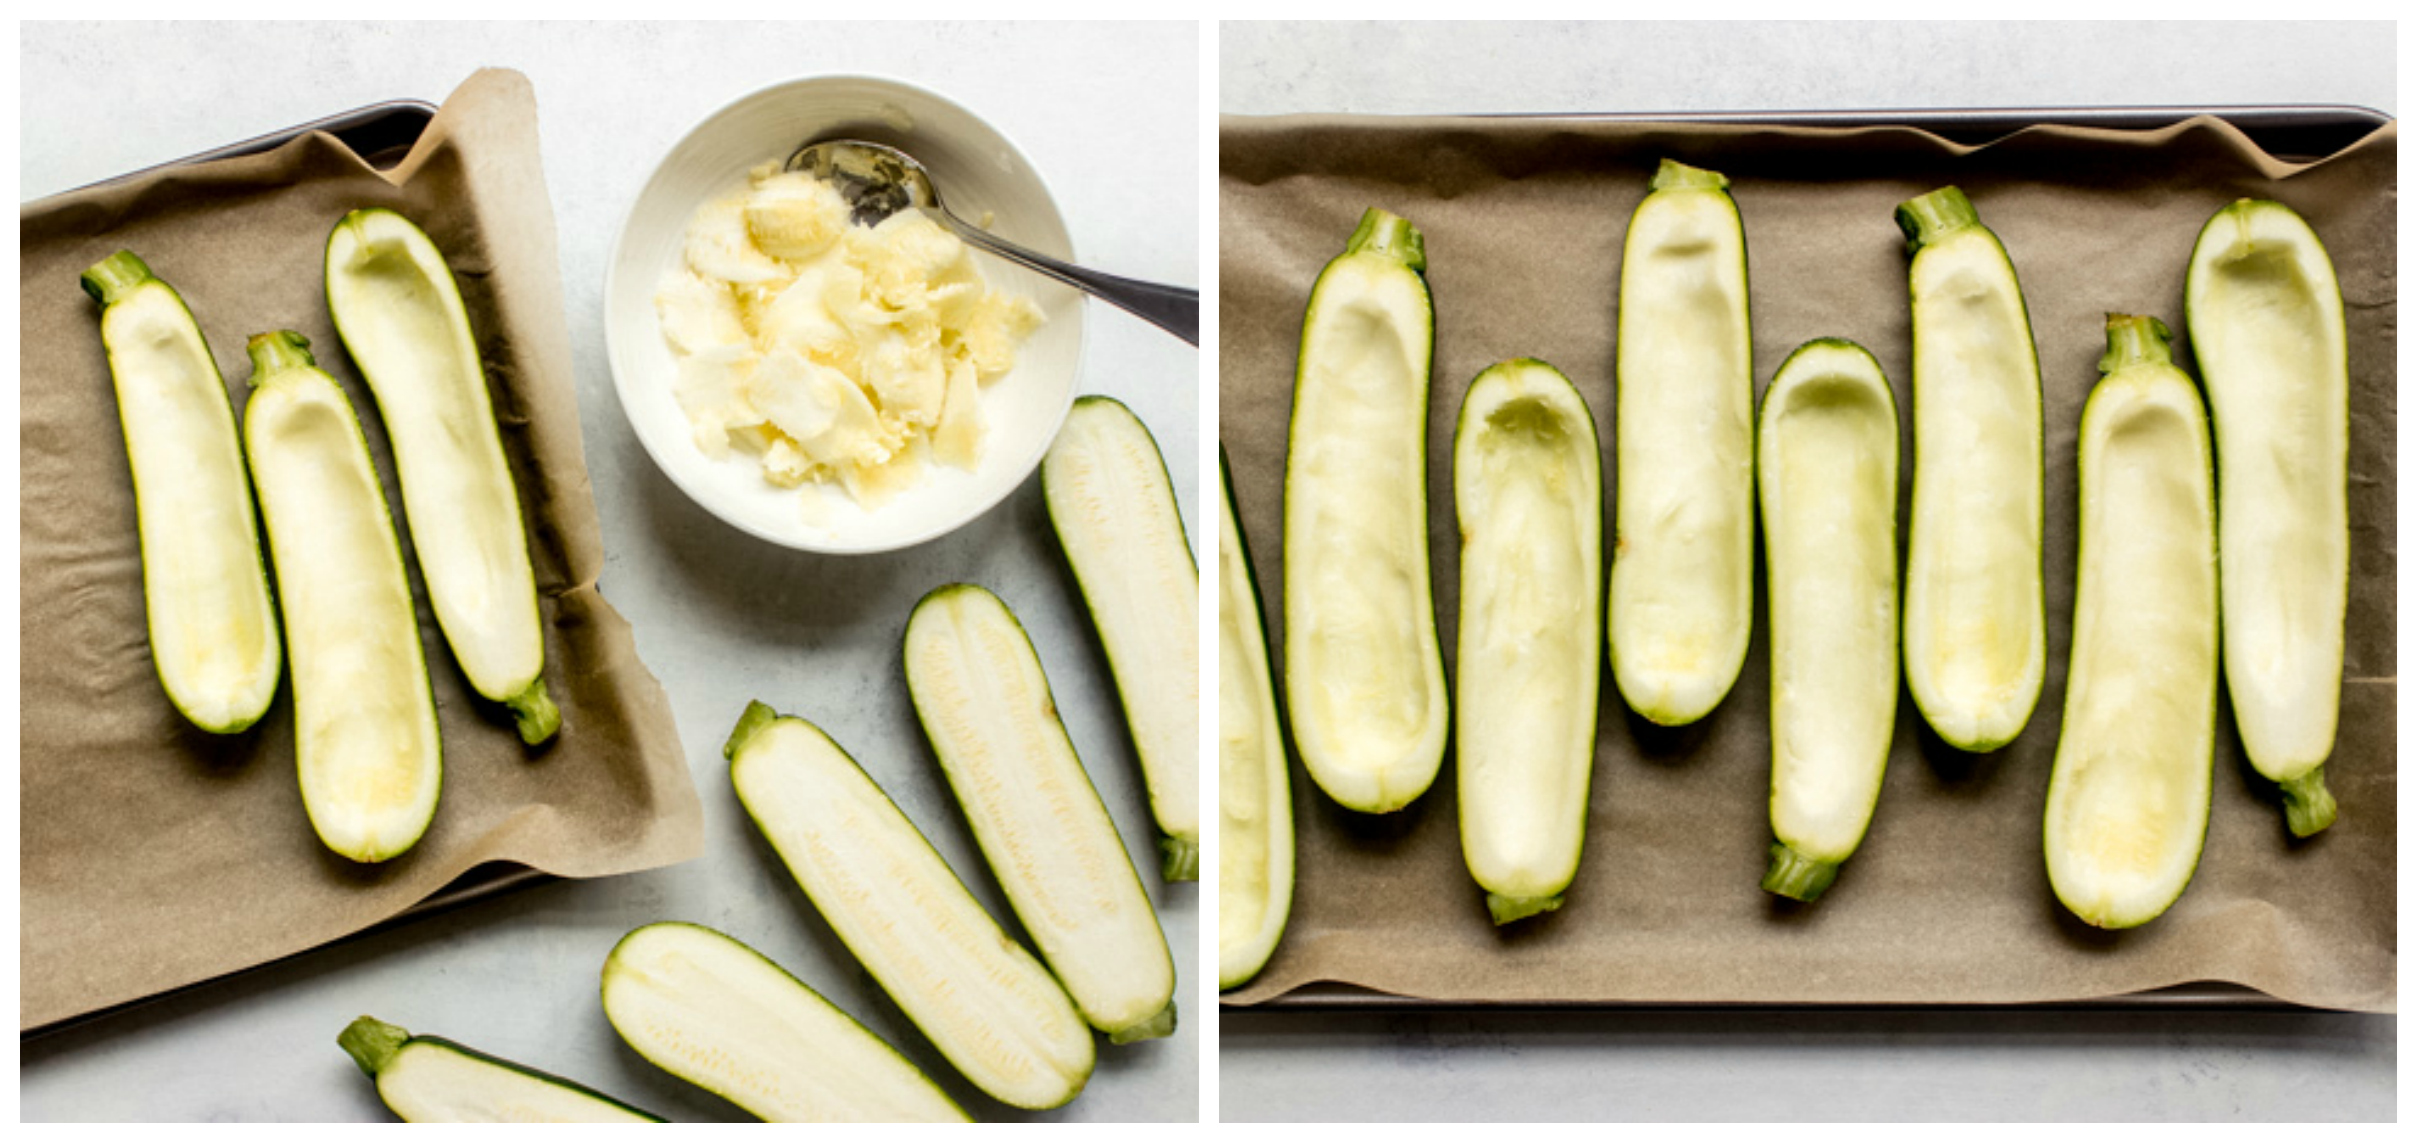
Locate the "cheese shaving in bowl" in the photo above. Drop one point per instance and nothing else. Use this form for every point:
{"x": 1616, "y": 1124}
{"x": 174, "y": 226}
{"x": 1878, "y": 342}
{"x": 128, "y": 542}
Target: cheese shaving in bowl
{"x": 835, "y": 354}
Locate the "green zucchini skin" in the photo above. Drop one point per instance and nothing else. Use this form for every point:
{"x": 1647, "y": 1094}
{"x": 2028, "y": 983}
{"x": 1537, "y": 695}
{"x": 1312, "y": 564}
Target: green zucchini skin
{"x": 1682, "y": 569}
{"x": 2266, "y": 326}
{"x": 1363, "y": 664}
{"x": 367, "y": 750}
{"x": 399, "y": 311}
{"x": 1828, "y": 427}
{"x": 387, "y": 1055}
{"x": 1113, "y": 509}
{"x": 2128, "y": 800}
{"x": 984, "y": 704}
{"x": 1975, "y": 599}
{"x": 208, "y": 609}
{"x": 987, "y": 1004}
{"x": 1254, "y": 773}
{"x": 789, "y": 1056}
{"x": 1527, "y": 476}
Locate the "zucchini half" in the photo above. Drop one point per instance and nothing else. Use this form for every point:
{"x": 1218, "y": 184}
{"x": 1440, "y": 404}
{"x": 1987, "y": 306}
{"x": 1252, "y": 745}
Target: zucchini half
{"x": 1254, "y": 778}
{"x": 1827, "y": 467}
{"x": 1527, "y": 477}
{"x": 212, "y": 624}
{"x": 1115, "y": 515}
{"x": 983, "y": 1001}
{"x": 1976, "y": 643}
{"x": 722, "y": 1016}
{"x": 365, "y": 733}
{"x": 1682, "y": 567}
{"x": 1363, "y": 666}
{"x": 429, "y": 1079}
{"x": 2135, "y": 762}
{"x": 400, "y": 314}
{"x": 985, "y": 706}
{"x": 2266, "y": 326}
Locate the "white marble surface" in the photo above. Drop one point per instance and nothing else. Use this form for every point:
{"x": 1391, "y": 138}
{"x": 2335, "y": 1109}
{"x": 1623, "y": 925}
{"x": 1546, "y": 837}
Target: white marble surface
{"x": 1775, "y": 1065}
{"x": 719, "y": 617}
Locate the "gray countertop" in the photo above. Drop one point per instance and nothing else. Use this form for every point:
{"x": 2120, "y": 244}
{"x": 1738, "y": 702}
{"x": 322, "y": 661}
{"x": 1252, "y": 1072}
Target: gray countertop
{"x": 1814, "y": 1064}
{"x": 719, "y": 617}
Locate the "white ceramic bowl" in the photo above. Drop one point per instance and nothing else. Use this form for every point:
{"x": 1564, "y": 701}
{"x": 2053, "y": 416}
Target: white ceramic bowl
{"x": 980, "y": 175}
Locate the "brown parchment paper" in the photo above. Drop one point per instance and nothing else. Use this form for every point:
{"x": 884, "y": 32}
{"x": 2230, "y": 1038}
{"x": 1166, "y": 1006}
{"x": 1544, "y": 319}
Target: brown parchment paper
{"x": 1947, "y": 900}
{"x": 154, "y": 855}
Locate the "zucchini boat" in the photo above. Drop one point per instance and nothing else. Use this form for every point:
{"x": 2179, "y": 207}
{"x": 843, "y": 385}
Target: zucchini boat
{"x": 429, "y": 1079}
{"x": 2135, "y": 762}
{"x": 400, "y": 314}
{"x": 1976, "y": 644}
{"x": 2266, "y": 327}
{"x": 1682, "y": 567}
{"x": 1827, "y": 467}
{"x": 984, "y": 1002}
{"x": 1254, "y": 779}
{"x": 1115, "y": 515}
{"x": 985, "y": 706}
{"x": 1363, "y": 666}
{"x": 212, "y": 624}
{"x": 722, "y": 1016}
{"x": 1527, "y": 478}
{"x": 365, "y": 735}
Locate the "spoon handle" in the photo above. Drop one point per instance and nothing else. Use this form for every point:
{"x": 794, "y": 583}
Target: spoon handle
{"x": 1171, "y": 308}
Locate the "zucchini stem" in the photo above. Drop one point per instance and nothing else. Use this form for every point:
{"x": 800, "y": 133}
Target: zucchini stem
{"x": 534, "y": 713}
{"x": 1178, "y": 859}
{"x": 1508, "y": 909}
{"x": 2307, "y": 805}
{"x": 372, "y": 1043}
{"x": 1162, "y": 1024}
{"x": 1675, "y": 175}
{"x": 276, "y": 352}
{"x": 2135, "y": 339}
{"x": 1929, "y": 219}
{"x": 756, "y": 717}
{"x": 110, "y": 278}
{"x": 1384, "y": 232}
{"x": 1796, "y": 876}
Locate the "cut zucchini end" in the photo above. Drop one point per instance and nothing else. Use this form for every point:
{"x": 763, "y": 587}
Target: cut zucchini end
{"x": 2307, "y": 805}
{"x": 1156, "y": 1027}
{"x": 1179, "y": 858}
{"x": 752, "y": 721}
{"x": 277, "y": 351}
{"x": 111, "y": 278}
{"x": 372, "y": 1043}
{"x": 534, "y": 713}
{"x": 1508, "y": 909}
{"x": 2135, "y": 339}
{"x": 1797, "y": 877}
{"x": 1384, "y": 232}
{"x": 1675, "y": 175}
{"x": 1926, "y": 219}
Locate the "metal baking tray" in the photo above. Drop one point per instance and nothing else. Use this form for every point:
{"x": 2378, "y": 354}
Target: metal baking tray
{"x": 381, "y": 133}
{"x": 2292, "y": 132}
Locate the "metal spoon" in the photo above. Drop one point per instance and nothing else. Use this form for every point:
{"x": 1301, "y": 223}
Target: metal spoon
{"x": 879, "y": 181}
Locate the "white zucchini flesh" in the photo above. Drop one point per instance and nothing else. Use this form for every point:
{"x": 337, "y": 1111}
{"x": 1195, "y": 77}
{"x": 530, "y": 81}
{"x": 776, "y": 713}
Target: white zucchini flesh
{"x": 1363, "y": 665}
{"x": 1682, "y": 568}
{"x": 2128, "y": 800}
{"x": 2266, "y": 327}
{"x": 1114, "y": 511}
{"x": 985, "y": 705}
{"x": 1976, "y": 644}
{"x": 1528, "y": 484}
{"x": 1254, "y": 777}
{"x": 981, "y": 999}
{"x": 212, "y": 624}
{"x": 366, "y": 744}
{"x": 429, "y": 1079}
{"x": 1827, "y": 467}
{"x": 396, "y": 306}
{"x": 722, "y": 1016}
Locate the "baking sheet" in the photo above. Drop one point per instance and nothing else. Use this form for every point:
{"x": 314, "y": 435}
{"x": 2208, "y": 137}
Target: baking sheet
{"x": 1947, "y": 901}
{"x": 154, "y": 856}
